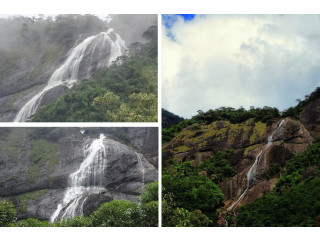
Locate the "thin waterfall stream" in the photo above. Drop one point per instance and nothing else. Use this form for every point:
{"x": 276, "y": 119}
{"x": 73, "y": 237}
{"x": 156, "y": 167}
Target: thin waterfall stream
{"x": 87, "y": 180}
{"x": 101, "y": 50}
{"x": 142, "y": 169}
{"x": 251, "y": 174}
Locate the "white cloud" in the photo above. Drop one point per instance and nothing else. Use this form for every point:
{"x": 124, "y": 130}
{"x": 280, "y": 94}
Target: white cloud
{"x": 244, "y": 60}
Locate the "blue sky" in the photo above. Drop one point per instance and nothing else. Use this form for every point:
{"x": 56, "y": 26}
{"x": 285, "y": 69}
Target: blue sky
{"x": 170, "y": 19}
{"x": 210, "y": 61}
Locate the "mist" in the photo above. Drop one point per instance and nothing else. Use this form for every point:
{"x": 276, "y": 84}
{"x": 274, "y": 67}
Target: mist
{"x": 132, "y": 26}
{"x": 23, "y": 31}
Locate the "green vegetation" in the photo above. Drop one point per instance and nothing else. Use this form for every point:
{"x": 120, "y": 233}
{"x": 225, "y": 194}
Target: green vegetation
{"x": 151, "y": 193}
{"x": 173, "y": 216}
{"x": 141, "y": 107}
{"x": 8, "y": 213}
{"x": 31, "y": 222}
{"x": 266, "y": 116}
{"x": 122, "y": 92}
{"x": 169, "y": 119}
{"x": 192, "y": 197}
{"x": 258, "y": 130}
{"x": 117, "y": 213}
{"x": 218, "y": 167}
{"x": 122, "y": 213}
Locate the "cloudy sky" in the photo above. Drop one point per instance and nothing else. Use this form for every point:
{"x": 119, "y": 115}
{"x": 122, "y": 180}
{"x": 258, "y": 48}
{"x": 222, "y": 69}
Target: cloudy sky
{"x": 209, "y": 61}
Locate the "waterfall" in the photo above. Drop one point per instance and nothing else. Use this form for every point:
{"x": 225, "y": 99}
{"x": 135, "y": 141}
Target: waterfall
{"x": 99, "y": 50}
{"x": 142, "y": 169}
{"x": 226, "y": 224}
{"x": 88, "y": 179}
{"x": 251, "y": 174}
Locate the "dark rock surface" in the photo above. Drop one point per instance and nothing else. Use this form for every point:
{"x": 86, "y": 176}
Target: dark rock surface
{"x": 93, "y": 202}
{"x": 310, "y": 117}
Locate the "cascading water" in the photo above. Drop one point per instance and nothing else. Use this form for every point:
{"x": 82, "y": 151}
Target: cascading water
{"x": 99, "y": 50}
{"x": 142, "y": 169}
{"x": 251, "y": 174}
{"x": 88, "y": 179}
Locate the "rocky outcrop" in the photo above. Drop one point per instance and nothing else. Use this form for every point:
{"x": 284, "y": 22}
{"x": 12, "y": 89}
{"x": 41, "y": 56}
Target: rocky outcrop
{"x": 310, "y": 117}
{"x": 198, "y": 142}
{"x": 35, "y": 164}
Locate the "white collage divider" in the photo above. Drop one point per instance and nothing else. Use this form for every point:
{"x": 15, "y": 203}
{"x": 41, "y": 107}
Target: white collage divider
{"x": 148, "y": 7}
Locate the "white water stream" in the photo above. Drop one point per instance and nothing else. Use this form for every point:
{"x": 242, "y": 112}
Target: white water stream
{"x": 251, "y": 174}
{"x": 87, "y": 180}
{"x": 101, "y": 51}
{"x": 142, "y": 169}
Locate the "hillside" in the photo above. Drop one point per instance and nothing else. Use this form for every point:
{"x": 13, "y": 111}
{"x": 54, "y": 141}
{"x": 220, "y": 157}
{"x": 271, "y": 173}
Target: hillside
{"x": 227, "y": 167}
{"x": 169, "y": 118}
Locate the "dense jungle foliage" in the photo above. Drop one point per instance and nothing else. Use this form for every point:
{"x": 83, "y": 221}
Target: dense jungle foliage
{"x": 193, "y": 199}
{"x": 117, "y": 213}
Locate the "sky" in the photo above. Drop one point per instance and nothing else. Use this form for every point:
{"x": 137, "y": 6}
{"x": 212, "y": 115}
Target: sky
{"x": 101, "y": 16}
{"x": 209, "y": 61}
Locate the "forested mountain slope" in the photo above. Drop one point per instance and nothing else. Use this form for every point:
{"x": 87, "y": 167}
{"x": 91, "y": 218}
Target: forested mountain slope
{"x": 234, "y": 167}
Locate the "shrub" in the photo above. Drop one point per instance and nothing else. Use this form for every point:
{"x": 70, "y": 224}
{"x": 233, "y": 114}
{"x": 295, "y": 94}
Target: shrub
{"x": 8, "y": 213}
{"x": 150, "y": 193}
{"x": 33, "y": 222}
{"x": 79, "y": 221}
{"x": 117, "y": 213}
{"x": 149, "y": 214}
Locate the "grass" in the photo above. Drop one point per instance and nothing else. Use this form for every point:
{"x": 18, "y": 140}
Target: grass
{"x": 258, "y": 131}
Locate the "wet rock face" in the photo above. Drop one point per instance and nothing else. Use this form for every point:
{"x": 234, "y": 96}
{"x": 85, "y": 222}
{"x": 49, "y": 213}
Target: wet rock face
{"x": 34, "y": 171}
